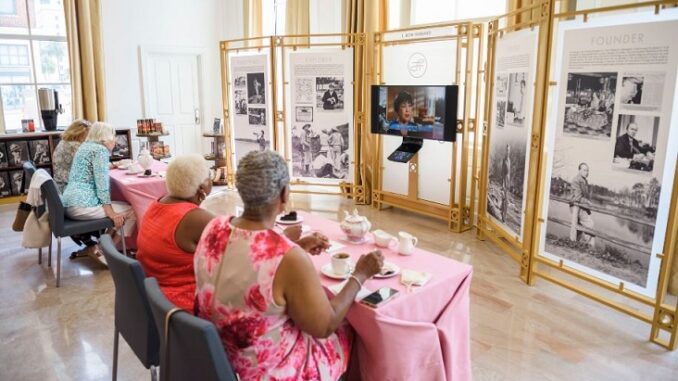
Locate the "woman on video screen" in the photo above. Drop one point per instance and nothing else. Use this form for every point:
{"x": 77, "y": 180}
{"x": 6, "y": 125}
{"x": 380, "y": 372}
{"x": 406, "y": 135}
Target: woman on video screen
{"x": 403, "y": 106}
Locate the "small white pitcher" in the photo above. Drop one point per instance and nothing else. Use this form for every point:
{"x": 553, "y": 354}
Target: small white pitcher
{"x": 406, "y": 244}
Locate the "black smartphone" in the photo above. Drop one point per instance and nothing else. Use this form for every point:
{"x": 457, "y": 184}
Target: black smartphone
{"x": 379, "y": 297}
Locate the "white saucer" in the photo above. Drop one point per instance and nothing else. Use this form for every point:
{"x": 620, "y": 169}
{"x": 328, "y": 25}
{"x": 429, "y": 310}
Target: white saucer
{"x": 327, "y": 271}
{"x": 284, "y": 222}
{"x": 389, "y": 266}
{"x": 130, "y": 172}
{"x": 363, "y": 241}
{"x": 145, "y": 176}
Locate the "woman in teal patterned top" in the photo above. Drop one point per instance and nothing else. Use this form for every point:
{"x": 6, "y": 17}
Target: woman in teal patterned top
{"x": 88, "y": 193}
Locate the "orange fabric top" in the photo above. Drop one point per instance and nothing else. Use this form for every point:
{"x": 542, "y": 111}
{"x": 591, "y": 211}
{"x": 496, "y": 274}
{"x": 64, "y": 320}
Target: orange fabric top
{"x": 159, "y": 255}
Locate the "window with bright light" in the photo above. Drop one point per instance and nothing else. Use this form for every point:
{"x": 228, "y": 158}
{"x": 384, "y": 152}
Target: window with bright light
{"x": 435, "y": 11}
{"x": 33, "y": 54}
{"x": 273, "y": 17}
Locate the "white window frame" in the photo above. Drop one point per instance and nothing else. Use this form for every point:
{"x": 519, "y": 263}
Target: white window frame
{"x": 30, "y": 37}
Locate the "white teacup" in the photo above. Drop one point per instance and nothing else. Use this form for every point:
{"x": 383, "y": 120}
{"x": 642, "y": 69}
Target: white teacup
{"x": 382, "y": 239}
{"x": 341, "y": 263}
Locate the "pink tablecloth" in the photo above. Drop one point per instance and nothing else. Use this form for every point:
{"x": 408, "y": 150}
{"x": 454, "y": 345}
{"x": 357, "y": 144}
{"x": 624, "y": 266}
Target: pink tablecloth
{"x": 138, "y": 192}
{"x": 421, "y": 335}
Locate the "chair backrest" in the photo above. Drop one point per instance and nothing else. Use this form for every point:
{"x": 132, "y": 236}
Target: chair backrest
{"x": 55, "y": 207}
{"x": 195, "y": 350}
{"x": 29, "y": 170}
{"x": 133, "y": 317}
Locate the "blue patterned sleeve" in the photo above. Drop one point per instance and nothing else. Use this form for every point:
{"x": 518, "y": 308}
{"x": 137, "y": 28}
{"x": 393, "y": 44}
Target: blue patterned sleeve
{"x": 101, "y": 180}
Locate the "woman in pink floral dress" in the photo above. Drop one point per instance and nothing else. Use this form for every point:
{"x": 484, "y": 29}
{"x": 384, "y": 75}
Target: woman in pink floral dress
{"x": 262, "y": 292}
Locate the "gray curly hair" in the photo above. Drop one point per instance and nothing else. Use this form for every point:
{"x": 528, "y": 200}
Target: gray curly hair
{"x": 260, "y": 178}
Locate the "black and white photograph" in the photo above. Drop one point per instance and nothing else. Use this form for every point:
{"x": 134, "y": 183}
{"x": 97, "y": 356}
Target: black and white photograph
{"x": 16, "y": 179}
{"x": 240, "y": 102}
{"x": 304, "y": 91}
{"x": 240, "y": 81}
{"x": 515, "y": 107}
{"x": 329, "y": 93}
{"x": 601, "y": 220}
{"x": 507, "y": 177}
{"x": 641, "y": 90}
{"x": 257, "y": 116}
{"x": 254, "y": 139}
{"x": 4, "y": 159}
{"x": 256, "y": 89}
{"x": 636, "y": 142}
{"x": 17, "y": 153}
{"x": 501, "y": 85}
{"x": 589, "y": 104}
{"x": 501, "y": 112}
{"x": 320, "y": 152}
{"x": 303, "y": 114}
{"x": 40, "y": 152}
{"x": 121, "y": 148}
{"x": 5, "y": 187}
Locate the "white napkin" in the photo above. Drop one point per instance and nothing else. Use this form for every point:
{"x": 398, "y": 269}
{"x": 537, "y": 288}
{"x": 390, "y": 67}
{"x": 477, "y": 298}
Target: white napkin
{"x": 415, "y": 278}
{"x": 334, "y": 246}
{"x": 364, "y": 291}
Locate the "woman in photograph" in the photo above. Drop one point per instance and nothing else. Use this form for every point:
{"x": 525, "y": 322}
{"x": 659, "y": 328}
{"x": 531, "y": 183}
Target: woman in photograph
{"x": 40, "y": 155}
{"x": 64, "y": 152}
{"x": 262, "y": 290}
{"x": 88, "y": 193}
{"x": 172, "y": 226}
{"x": 403, "y": 105}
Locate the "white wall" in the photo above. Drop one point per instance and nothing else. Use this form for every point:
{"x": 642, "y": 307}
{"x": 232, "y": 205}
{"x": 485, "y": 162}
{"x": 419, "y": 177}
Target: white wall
{"x": 128, "y": 24}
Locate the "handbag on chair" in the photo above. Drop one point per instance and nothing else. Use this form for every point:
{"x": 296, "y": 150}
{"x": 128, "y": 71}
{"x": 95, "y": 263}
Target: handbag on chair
{"x": 22, "y": 213}
{"x": 37, "y": 232}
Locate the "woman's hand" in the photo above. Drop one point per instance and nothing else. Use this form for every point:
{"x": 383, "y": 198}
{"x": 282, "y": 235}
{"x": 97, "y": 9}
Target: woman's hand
{"x": 293, "y": 233}
{"x": 314, "y": 243}
{"x": 118, "y": 219}
{"x": 369, "y": 265}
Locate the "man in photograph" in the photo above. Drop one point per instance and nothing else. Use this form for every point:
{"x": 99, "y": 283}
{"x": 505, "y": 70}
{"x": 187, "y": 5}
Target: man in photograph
{"x": 627, "y": 146}
{"x": 306, "y": 154}
{"x": 261, "y": 139}
{"x": 518, "y": 106}
{"x": 505, "y": 182}
{"x": 630, "y": 91}
{"x": 17, "y": 180}
{"x": 40, "y": 155}
{"x": 324, "y": 141}
{"x": 330, "y": 98}
{"x": 580, "y": 214}
{"x": 4, "y": 187}
{"x": 15, "y": 152}
{"x": 336, "y": 143}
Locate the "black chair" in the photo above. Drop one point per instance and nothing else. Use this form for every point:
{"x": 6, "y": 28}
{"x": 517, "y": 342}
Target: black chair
{"x": 190, "y": 346}
{"x": 133, "y": 318}
{"x": 29, "y": 171}
{"x": 63, "y": 226}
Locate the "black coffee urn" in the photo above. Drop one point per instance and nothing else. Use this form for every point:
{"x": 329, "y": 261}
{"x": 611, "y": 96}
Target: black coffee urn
{"x": 49, "y": 107}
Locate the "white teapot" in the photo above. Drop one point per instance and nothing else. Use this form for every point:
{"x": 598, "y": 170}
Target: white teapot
{"x": 355, "y": 226}
{"x": 145, "y": 159}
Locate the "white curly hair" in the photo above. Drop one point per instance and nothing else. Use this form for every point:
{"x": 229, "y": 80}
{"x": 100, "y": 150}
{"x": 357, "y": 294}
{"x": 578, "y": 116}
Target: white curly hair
{"x": 185, "y": 174}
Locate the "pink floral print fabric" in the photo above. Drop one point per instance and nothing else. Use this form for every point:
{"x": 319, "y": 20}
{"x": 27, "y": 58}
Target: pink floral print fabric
{"x": 235, "y": 269}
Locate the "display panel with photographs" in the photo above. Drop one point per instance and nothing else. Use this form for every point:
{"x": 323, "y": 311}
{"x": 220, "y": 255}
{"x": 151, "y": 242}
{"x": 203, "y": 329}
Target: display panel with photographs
{"x": 5, "y": 184}
{"x": 17, "y": 153}
{"x": 4, "y": 159}
{"x": 606, "y": 209}
{"x": 509, "y": 135}
{"x": 321, "y": 114}
{"x": 250, "y": 121}
{"x": 39, "y": 151}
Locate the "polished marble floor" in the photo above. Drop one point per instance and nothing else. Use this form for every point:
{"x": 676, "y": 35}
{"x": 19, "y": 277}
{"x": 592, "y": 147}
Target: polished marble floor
{"x": 518, "y": 332}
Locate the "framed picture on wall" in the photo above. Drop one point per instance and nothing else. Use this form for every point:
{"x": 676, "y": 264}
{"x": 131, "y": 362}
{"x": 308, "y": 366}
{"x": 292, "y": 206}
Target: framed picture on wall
{"x": 17, "y": 153}
{"x": 39, "y": 151}
{"x": 5, "y": 185}
{"x": 121, "y": 149}
{"x": 16, "y": 179}
{"x": 3, "y": 155}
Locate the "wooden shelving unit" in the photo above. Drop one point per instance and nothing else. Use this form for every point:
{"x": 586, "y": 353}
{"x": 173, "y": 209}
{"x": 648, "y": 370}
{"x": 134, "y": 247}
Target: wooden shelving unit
{"x": 154, "y": 138}
{"x": 218, "y": 156}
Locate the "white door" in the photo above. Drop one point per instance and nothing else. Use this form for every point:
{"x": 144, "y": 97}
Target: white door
{"x": 172, "y": 96}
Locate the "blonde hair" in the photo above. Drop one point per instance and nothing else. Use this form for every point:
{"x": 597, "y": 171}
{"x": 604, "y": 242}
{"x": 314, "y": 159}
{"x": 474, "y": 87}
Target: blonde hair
{"x": 101, "y": 132}
{"x": 185, "y": 174}
{"x": 77, "y": 131}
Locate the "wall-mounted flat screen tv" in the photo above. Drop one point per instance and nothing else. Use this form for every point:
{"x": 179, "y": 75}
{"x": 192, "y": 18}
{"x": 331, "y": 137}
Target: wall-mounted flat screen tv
{"x": 426, "y": 112}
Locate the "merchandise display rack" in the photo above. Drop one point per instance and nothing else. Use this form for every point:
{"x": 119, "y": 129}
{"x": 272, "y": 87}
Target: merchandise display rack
{"x": 218, "y": 157}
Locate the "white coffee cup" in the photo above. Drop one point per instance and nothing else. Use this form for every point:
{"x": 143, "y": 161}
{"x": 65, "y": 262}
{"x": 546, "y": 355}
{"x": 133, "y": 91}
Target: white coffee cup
{"x": 406, "y": 243}
{"x": 341, "y": 263}
{"x": 382, "y": 239}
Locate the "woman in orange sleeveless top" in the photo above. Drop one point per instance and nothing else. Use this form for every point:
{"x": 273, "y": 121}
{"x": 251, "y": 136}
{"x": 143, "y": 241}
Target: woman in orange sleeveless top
{"x": 171, "y": 229}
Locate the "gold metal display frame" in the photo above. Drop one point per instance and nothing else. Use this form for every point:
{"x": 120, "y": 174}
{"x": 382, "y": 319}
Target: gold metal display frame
{"x": 655, "y": 311}
{"x": 459, "y": 215}
{"x": 283, "y": 44}
{"x": 253, "y": 44}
